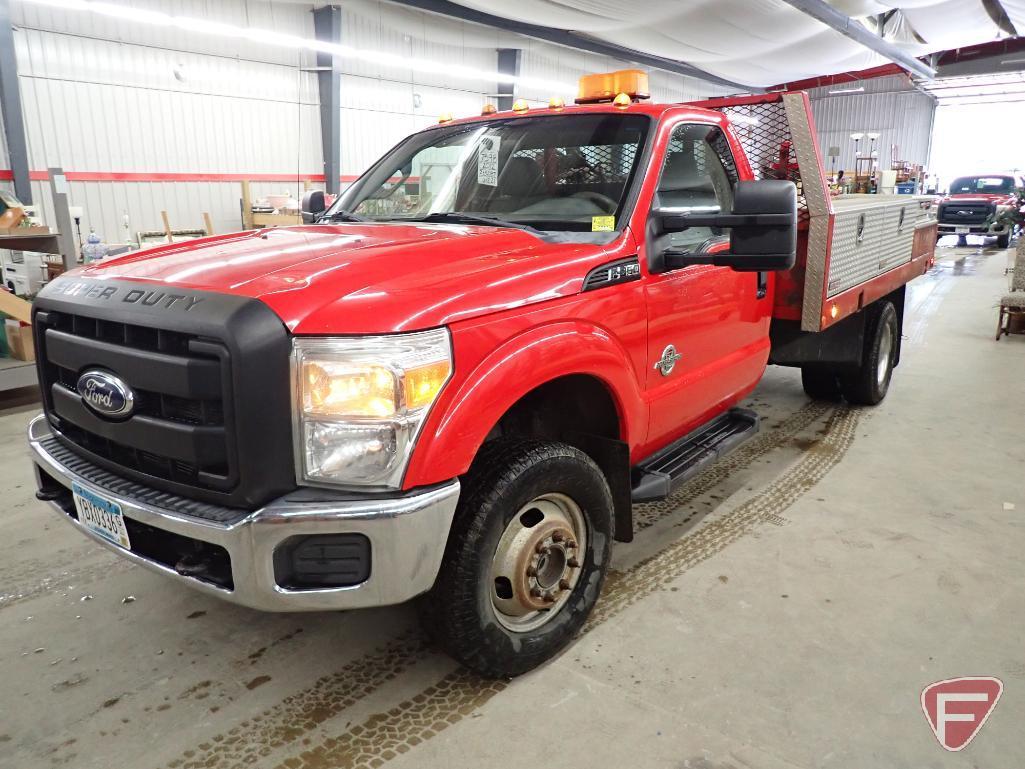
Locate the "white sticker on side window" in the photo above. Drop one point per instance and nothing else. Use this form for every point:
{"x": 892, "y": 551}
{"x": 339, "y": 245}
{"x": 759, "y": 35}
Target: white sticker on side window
{"x": 487, "y": 161}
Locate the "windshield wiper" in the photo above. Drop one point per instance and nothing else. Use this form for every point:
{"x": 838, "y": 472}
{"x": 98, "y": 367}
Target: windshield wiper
{"x": 343, "y": 216}
{"x": 455, "y": 217}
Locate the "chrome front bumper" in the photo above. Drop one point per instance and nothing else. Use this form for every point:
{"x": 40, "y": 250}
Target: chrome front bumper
{"x": 973, "y": 229}
{"x": 407, "y": 538}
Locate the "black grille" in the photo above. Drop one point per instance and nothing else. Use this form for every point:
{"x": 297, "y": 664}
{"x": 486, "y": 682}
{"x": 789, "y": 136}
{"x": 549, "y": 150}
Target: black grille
{"x": 952, "y": 212}
{"x": 150, "y": 361}
{"x": 209, "y": 372}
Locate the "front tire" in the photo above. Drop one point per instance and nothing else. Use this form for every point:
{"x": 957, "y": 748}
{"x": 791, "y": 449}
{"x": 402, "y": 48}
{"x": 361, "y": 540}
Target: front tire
{"x": 868, "y": 384}
{"x": 526, "y": 558}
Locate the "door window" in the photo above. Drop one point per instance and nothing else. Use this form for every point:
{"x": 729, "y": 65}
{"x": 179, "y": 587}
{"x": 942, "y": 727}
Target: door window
{"x": 698, "y": 176}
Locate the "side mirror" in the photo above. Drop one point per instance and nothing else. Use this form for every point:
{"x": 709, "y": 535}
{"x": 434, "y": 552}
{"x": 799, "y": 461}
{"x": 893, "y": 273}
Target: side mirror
{"x": 763, "y": 229}
{"x": 313, "y": 206}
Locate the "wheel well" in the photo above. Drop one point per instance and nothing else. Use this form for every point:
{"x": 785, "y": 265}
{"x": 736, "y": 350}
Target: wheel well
{"x": 579, "y": 410}
{"x": 563, "y": 406}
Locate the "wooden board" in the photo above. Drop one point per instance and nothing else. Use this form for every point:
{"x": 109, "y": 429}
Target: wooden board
{"x": 15, "y": 306}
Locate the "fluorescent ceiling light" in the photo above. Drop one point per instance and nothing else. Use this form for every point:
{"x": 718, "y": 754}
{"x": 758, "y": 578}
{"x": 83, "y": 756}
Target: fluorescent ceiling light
{"x": 859, "y": 89}
{"x": 270, "y": 37}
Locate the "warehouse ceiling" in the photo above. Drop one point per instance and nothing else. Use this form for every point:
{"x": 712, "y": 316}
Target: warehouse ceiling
{"x": 766, "y": 42}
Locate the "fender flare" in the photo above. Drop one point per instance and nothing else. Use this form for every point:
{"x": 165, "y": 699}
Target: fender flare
{"x": 466, "y": 413}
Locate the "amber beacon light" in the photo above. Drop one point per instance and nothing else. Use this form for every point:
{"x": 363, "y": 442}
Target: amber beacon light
{"x": 609, "y": 86}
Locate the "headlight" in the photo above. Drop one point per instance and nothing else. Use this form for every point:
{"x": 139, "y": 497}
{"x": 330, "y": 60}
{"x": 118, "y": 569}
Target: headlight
{"x": 359, "y": 404}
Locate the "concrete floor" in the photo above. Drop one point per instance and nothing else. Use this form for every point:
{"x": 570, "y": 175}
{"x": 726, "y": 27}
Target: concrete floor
{"x": 784, "y": 610}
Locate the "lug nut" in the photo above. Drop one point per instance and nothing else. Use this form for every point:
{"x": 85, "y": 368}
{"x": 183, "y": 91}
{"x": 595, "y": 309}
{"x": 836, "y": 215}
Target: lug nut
{"x": 542, "y": 548}
{"x": 535, "y": 592}
{"x": 573, "y": 563}
{"x": 571, "y": 543}
{"x": 564, "y": 584}
{"x": 558, "y": 536}
{"x": 531, "y": 571}
{"x": 549, "y": 598}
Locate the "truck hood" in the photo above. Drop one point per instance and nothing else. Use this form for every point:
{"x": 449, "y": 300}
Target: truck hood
{"x": 368, "y": 277}
{"x": 973, "y": 197}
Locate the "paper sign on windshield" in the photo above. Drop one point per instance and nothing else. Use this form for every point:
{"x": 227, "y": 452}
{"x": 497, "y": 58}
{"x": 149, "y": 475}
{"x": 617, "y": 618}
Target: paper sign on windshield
{"x": 487, "y": 161}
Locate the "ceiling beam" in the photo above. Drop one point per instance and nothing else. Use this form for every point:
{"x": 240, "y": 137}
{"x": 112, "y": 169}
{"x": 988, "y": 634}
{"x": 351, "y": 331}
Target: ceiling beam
{"x": 855, "y": 30}
{"x": 998, "y": 14}
{"x": 572, "y": 39}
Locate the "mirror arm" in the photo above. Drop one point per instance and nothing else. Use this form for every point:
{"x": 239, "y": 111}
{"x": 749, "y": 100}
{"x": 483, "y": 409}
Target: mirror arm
{"x": 677, "y": 222}
{"x": 675, "y": 259}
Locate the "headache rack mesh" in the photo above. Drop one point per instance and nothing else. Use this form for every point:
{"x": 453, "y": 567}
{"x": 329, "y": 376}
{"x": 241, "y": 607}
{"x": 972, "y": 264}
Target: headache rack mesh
{"x": 764, "y": 133}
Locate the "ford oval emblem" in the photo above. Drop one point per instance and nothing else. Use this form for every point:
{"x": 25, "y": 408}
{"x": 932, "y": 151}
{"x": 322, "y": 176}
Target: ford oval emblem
{"x": 105, "y": 393}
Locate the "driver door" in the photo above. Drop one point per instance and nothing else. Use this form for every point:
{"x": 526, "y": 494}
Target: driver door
{"x": 707, "y": 327}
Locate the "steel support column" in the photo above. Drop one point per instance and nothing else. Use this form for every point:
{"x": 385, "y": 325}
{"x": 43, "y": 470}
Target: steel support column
{"x": 327, "y": 27}
{"x": 508, "y": 64}
{"x": 10, "y": 106}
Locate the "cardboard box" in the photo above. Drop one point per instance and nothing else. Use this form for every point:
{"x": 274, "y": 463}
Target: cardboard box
{"x": 19, "y": 340}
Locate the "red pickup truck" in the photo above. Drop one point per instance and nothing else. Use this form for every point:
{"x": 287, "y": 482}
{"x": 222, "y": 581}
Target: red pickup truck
{"x": 974, "y": 206}
{"x": 454, "y": 382}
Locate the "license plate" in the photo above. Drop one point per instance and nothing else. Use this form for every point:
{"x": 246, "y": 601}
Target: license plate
{"x": 101, "y": 515}
{"x": 962, "y": 230}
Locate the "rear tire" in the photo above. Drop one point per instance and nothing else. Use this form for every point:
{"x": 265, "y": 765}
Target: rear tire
{"x": 1004, "y": 241}
{"x": 868, "y": 384}
{"x": 533, "y": 528}
{"x": 820, "y": 383}
{"x": 962, "y": 241}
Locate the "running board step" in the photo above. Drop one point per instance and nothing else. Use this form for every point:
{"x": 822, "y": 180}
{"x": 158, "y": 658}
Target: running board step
{"x": 656, "y": 478}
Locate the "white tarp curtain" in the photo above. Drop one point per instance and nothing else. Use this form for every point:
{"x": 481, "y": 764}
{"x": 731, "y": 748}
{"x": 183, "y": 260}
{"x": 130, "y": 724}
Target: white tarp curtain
{"x": 756, "y": 42}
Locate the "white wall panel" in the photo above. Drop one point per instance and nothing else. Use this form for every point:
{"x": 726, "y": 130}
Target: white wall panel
{"x": 901, "y": 114}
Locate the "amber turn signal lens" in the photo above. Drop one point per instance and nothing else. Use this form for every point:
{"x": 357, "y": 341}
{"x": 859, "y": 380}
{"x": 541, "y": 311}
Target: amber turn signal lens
{"x": 520, "y": 105}
{"x": 556, "y": 103}
{"x": 622, "y": 100}
{"x": 488, "y": 109}
{"x": 445, "y": 117}
{"x": 423, "y": 383}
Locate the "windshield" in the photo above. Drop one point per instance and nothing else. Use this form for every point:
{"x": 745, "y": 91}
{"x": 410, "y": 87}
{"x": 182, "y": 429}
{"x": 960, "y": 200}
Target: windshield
{"x": 982, "y": 184}
{"x": 561, "y": 172}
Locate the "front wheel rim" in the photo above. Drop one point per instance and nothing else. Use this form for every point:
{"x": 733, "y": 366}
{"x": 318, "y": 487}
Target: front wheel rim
{"x": 538, "y": 561}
